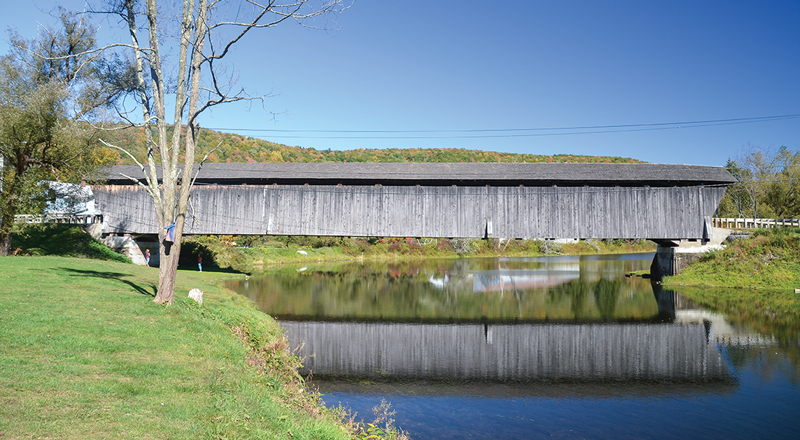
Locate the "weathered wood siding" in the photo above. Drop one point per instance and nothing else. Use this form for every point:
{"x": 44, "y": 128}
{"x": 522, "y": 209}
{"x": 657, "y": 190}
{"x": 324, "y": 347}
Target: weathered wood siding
{"x": 508, "y": 352}
{"x": 126, "y": 209}
{"x": 427, "y": 211}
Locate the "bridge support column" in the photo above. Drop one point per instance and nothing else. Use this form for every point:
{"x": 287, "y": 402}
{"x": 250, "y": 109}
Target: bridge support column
{"x": 663, "y": 264}
{"x": 672, "y": 257}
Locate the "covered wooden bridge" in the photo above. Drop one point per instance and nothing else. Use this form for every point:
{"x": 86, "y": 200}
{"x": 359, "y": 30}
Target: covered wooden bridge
{"x": 476, "y": 200}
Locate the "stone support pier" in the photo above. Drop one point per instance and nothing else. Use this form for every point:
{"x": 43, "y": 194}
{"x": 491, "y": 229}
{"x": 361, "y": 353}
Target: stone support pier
{"x": 672, "y": 256}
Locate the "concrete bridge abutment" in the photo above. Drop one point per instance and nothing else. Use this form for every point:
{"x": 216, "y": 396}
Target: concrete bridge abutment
{"x": 673, "y": 256}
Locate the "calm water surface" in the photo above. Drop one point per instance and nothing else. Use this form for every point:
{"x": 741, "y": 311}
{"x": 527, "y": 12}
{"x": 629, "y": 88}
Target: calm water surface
{"x": 563, "y": 347}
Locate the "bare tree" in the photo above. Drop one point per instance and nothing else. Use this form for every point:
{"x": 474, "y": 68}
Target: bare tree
{"x": 206, "y": 34}
{"x": 759, "y": 166}
{"x": 783, "y": 193}
{"x": 769, "y": 182}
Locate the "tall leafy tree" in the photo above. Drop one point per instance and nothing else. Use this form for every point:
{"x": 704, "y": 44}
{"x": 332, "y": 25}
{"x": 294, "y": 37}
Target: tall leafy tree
{"x": 51, "y": 87}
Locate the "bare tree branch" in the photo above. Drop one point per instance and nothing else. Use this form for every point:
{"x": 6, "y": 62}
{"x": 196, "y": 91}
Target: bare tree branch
{"x": 96, "y": 51}
{"x": 141, "y": 167}
{"x": 204, "y": 161}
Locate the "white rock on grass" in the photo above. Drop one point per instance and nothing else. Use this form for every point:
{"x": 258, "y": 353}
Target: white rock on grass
{"x": 197, "y": 295}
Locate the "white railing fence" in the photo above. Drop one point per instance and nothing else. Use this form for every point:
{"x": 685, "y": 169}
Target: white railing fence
{"x": 59, "y": 218}
{"x": 755, "y": 223}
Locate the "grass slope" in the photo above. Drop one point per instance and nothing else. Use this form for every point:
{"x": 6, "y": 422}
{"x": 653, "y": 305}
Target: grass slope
{"x": 64, "y": 240}
{"x": 769, "y": 259}
{"x": 85, "y": 353}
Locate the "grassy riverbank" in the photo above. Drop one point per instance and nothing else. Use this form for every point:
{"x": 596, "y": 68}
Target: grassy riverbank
{"x": 751, "y": 281}
{"x": 64, "y": 240}
{"x": 85, "y": 353}
{"x": 769, "y": 259}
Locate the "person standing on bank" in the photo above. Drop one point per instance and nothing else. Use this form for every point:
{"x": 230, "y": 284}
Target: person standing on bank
{"x": 200, "y": 262}
{"x": 147, "y": 257}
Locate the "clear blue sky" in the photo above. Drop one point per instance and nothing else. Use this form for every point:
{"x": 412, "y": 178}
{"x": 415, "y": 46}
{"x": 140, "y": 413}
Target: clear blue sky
{"x": 425, "y": 67}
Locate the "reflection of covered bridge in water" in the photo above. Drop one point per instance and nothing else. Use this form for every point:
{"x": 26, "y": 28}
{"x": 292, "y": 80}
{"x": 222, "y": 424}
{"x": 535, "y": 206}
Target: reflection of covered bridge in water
{"x": 645, "y": 349}
{"x": 507, "y": 200}
{"x": 509, "y": 353}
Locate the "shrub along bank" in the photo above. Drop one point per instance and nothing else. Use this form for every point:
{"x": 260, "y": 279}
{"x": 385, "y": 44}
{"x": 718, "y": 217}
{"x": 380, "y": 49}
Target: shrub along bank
{"x": 85, "y": 353}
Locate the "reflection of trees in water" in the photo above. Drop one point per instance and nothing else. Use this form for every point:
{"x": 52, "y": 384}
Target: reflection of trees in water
{"x": 403, "y": 291}
{"x": 576, "y": 293}
{"x": 580, "y": 293}
{"x": 773, "y": 313}
{"x": 606, "y": 295}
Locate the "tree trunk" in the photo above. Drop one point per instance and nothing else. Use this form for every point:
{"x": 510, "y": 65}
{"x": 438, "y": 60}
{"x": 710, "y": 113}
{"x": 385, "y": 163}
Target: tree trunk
{"x": 5, "y": 243}
{"x": 177, "y": 190}
{"x": 168, "y": 270}
{"x": 8, "y": 211}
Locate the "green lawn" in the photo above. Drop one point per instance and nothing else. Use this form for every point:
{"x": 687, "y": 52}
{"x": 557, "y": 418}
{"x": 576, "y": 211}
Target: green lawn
{"x": 769, "y": 259}
{"x": 85, "y": 353}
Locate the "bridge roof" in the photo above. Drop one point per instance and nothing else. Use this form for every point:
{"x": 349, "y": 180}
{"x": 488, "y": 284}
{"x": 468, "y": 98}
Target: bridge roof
{"x": 436, "y": 174}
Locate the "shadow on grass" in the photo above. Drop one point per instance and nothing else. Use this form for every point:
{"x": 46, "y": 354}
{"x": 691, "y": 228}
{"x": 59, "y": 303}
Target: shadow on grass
{"x": 114, "y": 276}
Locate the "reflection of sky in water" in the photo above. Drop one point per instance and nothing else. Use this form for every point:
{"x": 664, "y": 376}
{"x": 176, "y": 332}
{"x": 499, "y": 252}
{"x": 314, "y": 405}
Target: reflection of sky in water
{"x": 540, "y": 272}
{"x": 486, "y": 282}
{"x": 757, "y": 409}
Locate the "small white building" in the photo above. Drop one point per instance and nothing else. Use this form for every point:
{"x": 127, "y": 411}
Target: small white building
{"x": 72, "y": 200}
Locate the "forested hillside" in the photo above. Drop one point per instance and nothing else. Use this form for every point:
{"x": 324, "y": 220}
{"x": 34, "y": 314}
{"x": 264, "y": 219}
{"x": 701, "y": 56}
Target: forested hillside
{"x": 229, "y": 147}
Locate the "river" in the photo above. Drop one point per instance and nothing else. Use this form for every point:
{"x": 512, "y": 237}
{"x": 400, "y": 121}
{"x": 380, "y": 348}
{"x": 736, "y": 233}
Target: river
{"x": 551, "y": 347}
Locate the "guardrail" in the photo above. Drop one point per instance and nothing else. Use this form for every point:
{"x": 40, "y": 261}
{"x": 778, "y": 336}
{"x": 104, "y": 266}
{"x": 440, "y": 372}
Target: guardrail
{"x": 755, "y": 223}
{"x": 59, "y": 218}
